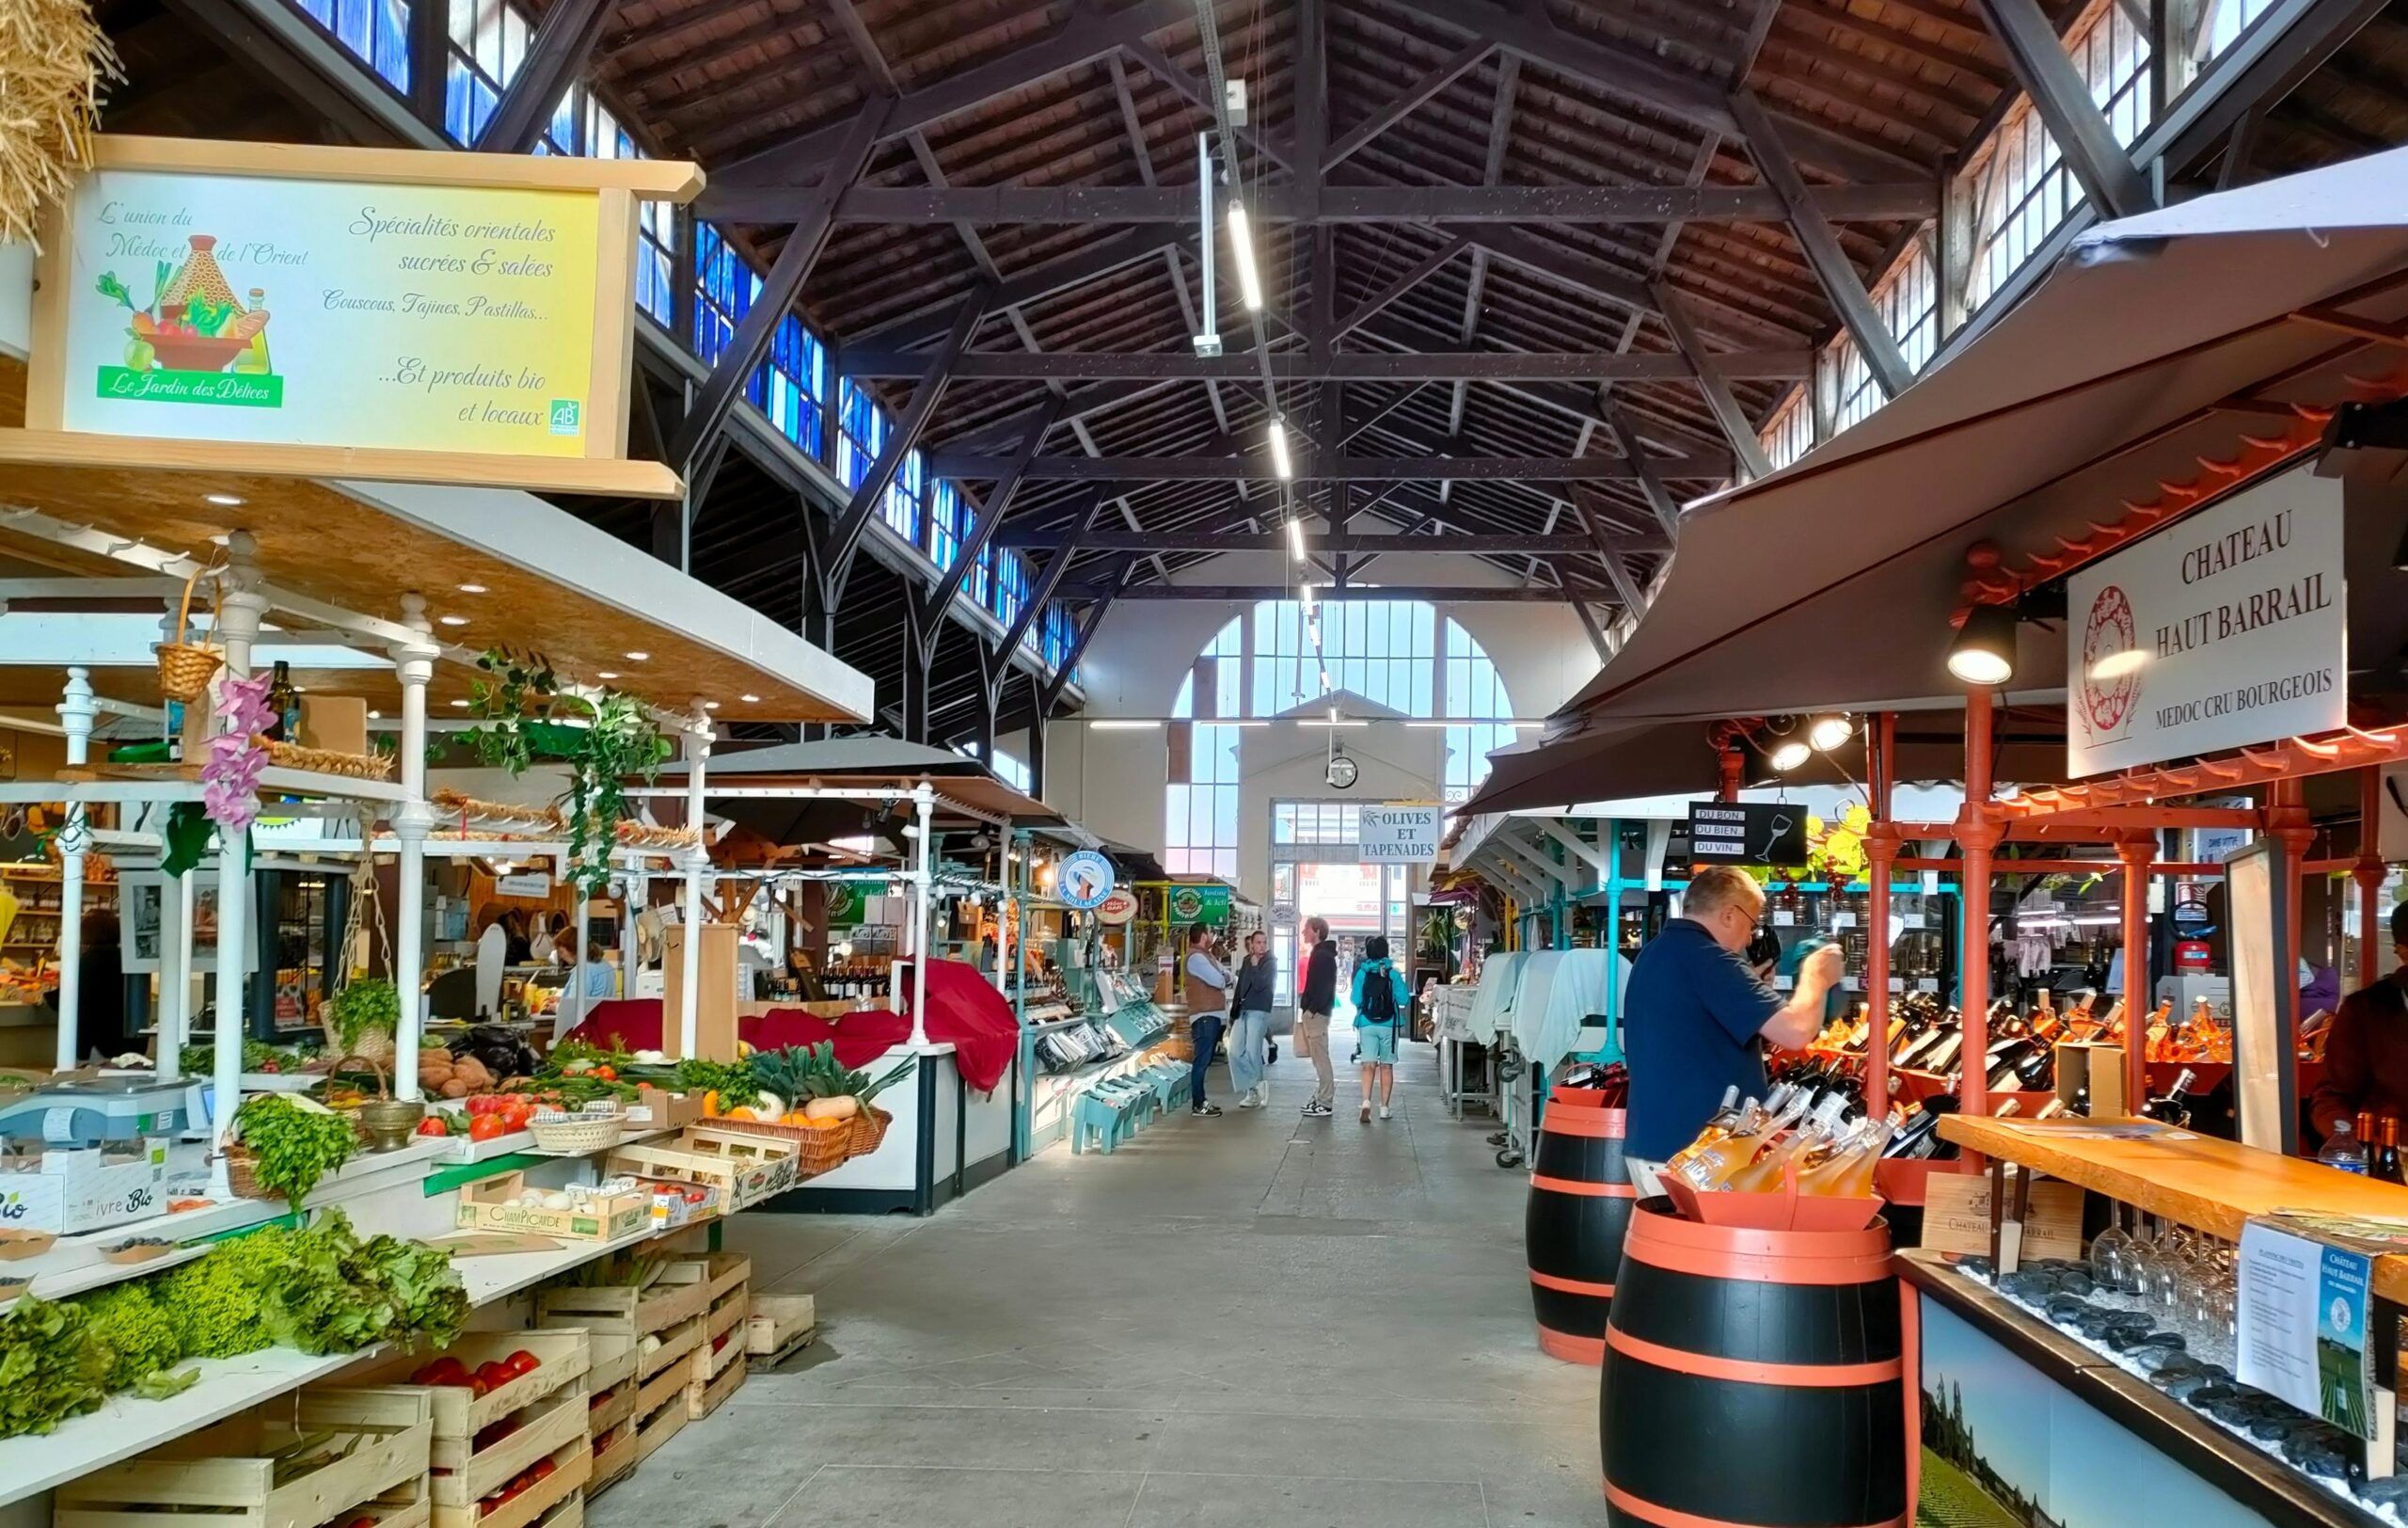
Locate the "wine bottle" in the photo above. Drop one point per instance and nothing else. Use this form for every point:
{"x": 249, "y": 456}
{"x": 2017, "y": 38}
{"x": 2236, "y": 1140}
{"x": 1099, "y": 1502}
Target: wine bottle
{"x": 2370, "y": 1143}
{"x": 2387, "y": 1165}
{"x": 283, "y": 706}
{"x": 2175, "y": 1107}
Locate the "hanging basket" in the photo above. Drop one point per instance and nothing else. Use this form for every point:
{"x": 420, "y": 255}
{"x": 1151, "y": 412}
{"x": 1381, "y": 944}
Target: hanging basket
{"x": 185, "y": 668}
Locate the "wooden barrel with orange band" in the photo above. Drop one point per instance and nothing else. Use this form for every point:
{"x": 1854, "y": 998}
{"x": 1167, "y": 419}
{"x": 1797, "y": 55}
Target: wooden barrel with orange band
{"x": 1580, "y": 1198}
{"x": 1752, "y": 1378}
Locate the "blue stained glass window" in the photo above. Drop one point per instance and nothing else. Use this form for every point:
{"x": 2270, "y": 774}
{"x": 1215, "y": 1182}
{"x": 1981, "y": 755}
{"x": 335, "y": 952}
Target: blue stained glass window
{"x": 948, "y": 522}
{"x": 725, "y": 287}
{"x": 861, "y": 433}
{"x": 375, "y": 32}
{"x": 788, "y": 385}
{"x": 903, "y": 497}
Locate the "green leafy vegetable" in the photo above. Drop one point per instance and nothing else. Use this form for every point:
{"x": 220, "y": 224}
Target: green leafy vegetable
{"x": 732, "y": 1080}
{"x": 216, "y": 1300}
{"x": 321, "y": 1290}
{"x": 160, "y": 1384}
{"x": 49, "y": 1368}
{"x": 292, "y": 1142}
{"x": 138, "y": 1334}
{"x": 364, "y": 1004}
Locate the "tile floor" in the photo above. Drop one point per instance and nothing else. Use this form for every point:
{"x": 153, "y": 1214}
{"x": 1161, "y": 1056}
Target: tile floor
{"x": 1248, "y": 1320}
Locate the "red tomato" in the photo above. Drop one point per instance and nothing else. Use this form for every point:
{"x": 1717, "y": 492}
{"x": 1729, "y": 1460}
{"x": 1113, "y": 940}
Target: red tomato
{"x": 515, "y": 1115}
{"x": 495, "y": 1375}
{"x": 487, "y": 1127}
{"x": 606, "y": 1073}
{"x": 433, "y": 1126}
{"x": 540, "y": 1471}
{"x": 446, "y": 1370}
{"x": 523, "y": 1362}
{"x": 478, "y": 1387}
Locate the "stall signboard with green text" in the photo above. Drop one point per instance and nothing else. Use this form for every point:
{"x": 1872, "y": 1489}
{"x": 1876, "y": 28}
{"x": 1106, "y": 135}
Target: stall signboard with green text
{"x": 1200, "y": 904}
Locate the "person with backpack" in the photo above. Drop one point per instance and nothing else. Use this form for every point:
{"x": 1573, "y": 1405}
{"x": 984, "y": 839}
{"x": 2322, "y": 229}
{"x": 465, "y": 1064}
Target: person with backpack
{"x": 1380, "y": 999}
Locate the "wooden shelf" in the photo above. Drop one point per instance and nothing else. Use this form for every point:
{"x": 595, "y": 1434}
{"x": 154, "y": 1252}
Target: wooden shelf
{"x": 2205, "y": 1184}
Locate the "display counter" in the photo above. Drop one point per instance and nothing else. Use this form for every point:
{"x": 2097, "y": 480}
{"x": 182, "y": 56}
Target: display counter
{"x": 947, "y": 1139}
{"x": 2046, "y": 1395}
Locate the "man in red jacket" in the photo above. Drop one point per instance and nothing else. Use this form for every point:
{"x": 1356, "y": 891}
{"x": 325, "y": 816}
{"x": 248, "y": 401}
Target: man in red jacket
{"x": 2366, "y": 1060}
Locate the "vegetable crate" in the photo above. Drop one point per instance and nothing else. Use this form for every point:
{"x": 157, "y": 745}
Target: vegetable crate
{"x": 680, "y": 1294}
{"x": 295, "y": 1463}
{"x": 718, "y": 1363}
{"x": 780, "y": 1327}
{"x": 610, "y": 1408}
{"x": 486, "y": 1445}
{"x": 486, "y": 1206}
{"x": 659, "y": 1426}
{"x": 745, "y": 1169}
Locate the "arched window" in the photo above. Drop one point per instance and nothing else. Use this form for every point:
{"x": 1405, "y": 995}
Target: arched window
{"x": 1398, "y": 654}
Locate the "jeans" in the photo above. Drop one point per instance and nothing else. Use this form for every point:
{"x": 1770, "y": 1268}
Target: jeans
{"x": 1207, "y": 1032}
{"x": 1246, "y": 1064}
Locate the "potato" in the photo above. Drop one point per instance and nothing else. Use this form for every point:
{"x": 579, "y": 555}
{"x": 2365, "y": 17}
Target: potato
{"x": 454, "y": 1088}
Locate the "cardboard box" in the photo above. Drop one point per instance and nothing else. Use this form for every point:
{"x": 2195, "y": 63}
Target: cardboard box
{"x": 655, "y": 1111}
{"x": 338, "y": 723}
{"x": 68, "y": 1191}
{"x": 486, "y": 1206}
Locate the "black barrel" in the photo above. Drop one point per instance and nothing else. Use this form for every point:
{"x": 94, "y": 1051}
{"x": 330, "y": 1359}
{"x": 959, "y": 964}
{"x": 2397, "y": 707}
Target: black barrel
{"x": 1580, "y": 1198}
{"x": 1752, "y": 1378}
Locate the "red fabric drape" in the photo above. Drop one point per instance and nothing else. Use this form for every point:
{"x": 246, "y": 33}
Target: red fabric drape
{"x": 963, "y": 1010}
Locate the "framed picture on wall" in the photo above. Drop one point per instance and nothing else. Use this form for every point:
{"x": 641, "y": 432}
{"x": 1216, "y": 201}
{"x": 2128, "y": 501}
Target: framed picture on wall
{"x": 140, "y": 897}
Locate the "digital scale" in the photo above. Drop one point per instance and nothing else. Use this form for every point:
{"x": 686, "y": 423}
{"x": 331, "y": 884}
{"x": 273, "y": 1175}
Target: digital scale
{"x": 105, "y": 1110}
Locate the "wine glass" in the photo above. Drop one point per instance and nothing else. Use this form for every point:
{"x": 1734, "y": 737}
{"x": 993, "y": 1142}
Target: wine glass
{"x": 2110, "y": 1252}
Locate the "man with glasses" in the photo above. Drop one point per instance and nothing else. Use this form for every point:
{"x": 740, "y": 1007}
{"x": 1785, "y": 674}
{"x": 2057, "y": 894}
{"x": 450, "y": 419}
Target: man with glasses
{"x": 1696, "y": 1016}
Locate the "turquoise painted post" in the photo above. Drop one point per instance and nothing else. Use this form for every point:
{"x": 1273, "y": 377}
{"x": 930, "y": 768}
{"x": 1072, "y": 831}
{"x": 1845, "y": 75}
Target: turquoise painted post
{"x": 1016, "y": 879}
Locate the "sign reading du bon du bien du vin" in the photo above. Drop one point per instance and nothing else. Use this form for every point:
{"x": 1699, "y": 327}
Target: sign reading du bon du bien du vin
{"x": 2229, "y": 627}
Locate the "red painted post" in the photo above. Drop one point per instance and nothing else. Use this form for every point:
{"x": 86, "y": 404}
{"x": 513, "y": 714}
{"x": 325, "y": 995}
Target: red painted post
{"x": 1880, "y": 851}
{"x": 1977, "y": 835}
{"x": 2137, "y": 851}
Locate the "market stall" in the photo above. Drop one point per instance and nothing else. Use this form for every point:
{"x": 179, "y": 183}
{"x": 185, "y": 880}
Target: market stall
{"x": 220, "y": 1249}
{"x": 2192, "y": 524}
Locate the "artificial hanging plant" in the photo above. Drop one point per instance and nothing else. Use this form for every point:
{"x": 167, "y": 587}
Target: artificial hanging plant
{"x": 602, "y": 735}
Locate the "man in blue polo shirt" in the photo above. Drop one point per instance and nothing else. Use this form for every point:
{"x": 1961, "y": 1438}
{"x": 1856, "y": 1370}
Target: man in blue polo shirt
{"x": 1695, "y": 1016}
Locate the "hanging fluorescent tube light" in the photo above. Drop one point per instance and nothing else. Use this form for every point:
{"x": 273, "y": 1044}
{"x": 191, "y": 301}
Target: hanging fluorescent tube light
{"x": 1296, "y": 538}
{"x": 1306, "y": 590}
{"x": 1281, "y": 463}
{"x": 1242, "y": 250}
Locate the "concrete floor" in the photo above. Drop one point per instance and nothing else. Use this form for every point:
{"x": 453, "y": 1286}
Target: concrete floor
{"x": 1250, "y": 1320}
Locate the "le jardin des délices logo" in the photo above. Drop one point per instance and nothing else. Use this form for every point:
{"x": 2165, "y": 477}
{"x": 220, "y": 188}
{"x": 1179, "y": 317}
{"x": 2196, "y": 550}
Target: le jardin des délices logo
{"x": 194, "y": 341}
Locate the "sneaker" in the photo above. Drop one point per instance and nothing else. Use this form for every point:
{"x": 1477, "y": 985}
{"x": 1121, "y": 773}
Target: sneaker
{"x": 1383, "y": 1111}
{"x": 1247, "y": 1101}
{"x": 1206, "y": 1111}
{"x": 1366, "y": 1115}
{"x": 1318, "y": 1111}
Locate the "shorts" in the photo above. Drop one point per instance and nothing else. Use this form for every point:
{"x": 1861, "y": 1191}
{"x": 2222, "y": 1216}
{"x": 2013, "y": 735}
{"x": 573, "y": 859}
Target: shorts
{"x": 1376, "y": 1043}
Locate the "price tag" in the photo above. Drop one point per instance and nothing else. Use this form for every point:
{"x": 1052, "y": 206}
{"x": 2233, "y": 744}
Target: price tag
{"x": 1917, "y": 921}
{"x": 1847, "y": 984}
{"x": 1926, "y": 984}
{"x": 1843, "y": 920}
{"x": 1783, "y": 917}
{"x": 1897, "y": 984}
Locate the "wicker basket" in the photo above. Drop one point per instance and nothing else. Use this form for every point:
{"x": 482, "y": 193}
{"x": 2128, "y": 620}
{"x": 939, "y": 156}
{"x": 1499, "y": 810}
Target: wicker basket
{"x": 818, "y": 1150}
{"x": 185, "y": 668}
{"x": 291, "y": 756}
{"x": 868, "y": 1131}
{"x": 577, "y": 1133}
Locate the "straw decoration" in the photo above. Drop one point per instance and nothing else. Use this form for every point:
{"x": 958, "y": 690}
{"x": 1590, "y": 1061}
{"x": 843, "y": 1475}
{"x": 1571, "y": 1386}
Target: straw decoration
{"x": 54, "y": 61}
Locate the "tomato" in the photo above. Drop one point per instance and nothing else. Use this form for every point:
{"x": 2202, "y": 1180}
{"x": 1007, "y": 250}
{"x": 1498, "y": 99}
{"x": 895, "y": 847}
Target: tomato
{"x": 361, "y": 1522}
{"x": 697, "y": 1195}
{"x": 495, "y": 1375}
{"x": 542, "y": 1470}
{"x": 446, "y": 1370}
{"x": 487, "y": 1127}
{"x": 606, "y": 1073}
{"x": 515, "y": 1115}
{"x": 523, "y": 1362}
{"x": 433, "y": 1126}
{"x": 478, "y": 1388}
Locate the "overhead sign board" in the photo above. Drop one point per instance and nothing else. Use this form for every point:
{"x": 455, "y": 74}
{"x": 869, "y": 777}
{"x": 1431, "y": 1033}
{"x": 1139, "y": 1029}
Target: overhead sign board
{"x": 2229, "y": 627}
{"x": 1747, "y": 833}
{"x": 1116, "y": 908}
{"x": 1400, "y": 833}
{"x": 425, "y": 317}
{"x": 1083, "y": 879}
{"x": 1198, "y": 904}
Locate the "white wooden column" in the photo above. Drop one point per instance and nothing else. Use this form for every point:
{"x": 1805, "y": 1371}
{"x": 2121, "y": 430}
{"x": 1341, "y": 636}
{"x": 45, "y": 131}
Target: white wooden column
{"x": 238, "y": 622}
{"x": 923, "y": 911}
{"x": 414, "y": 663}
{"x": 75, "y": 712}
{"x": 698, "y": 859}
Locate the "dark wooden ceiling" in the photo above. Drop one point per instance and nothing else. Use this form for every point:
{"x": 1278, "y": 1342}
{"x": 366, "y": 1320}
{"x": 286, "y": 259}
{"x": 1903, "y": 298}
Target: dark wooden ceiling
{"x": 1586, "y": 93}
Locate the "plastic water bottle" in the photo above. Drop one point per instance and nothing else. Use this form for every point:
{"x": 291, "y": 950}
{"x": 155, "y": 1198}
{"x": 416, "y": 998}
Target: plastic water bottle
{"x": 2341, "y": 1149}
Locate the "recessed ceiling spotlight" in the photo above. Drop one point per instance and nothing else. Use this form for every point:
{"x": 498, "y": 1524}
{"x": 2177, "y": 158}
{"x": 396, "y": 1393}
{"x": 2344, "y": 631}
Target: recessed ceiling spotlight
{"x": 751, "y": 699}
{"x": 225, "y": 501}
{"x": 638, "y": 656}
{"x": 472, "y": 588}
{"x": 607, "y": 674}
{"x": 710, "y": 705}
{"x": 459, "y": 705}
{"x": 452, "y": 620}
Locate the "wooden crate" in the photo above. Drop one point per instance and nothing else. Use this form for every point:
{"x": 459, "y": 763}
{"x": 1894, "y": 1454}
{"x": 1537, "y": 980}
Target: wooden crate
{"x": 745, "y": 1169}
{"x": 573, "y": 1467}
{"x": 568, "y": 1512}
{"x": 224, "y": 1471}
{"x": 611, "y": 1357}
{"x": 606, "y": 1408}
{"x": 675, "y": 1344}
{"x": 614, "y": 1459}
{"x": 656, "y": 1427}
{"x": 725, "y": 1273}
{"x": 545, "y": 1430}
{"x": 704, "y": 1397}
{"x": 657, "y": 1392}
{"x": 566, "y": 1355}
{"x": 406, "y": 1506}
{"x": 779, "y": 1326}
{"x": 681, "y": 1292}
